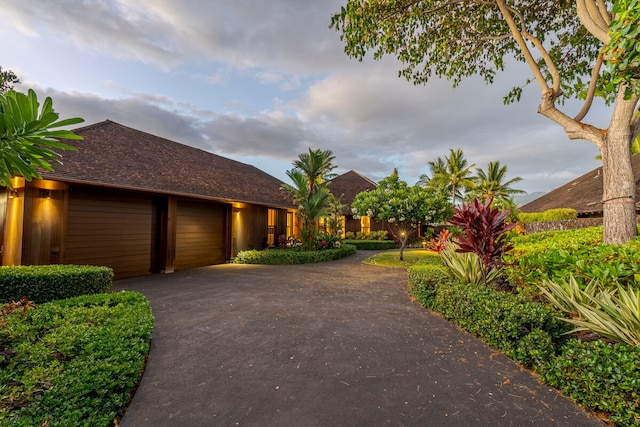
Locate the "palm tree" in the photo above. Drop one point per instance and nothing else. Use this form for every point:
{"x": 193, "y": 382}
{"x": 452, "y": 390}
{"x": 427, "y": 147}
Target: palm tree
{"x": 492, "y": 185}
{"x": 317, "y": 166}
{"x": 310, "y": 190}
{"x": 452, "y": 173}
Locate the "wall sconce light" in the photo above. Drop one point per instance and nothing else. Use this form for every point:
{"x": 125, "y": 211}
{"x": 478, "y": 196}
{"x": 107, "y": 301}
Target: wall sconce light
{"x": 45, "y": 194}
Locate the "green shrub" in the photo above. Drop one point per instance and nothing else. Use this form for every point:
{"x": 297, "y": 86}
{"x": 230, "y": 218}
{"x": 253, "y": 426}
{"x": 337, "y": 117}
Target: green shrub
{"x": 560, "y": 214}
{"x": 524, "y": 330}
{"x": 605, "y": 377}
{"x": 369, "y": 235}
{"x": 424, "y": 280}
{"x": 556, "y": 255}
{"x": 44, "y": 283}
{"x": 292, "y": 256}
{"x": 372, "y": 244}
{"x": 75, "y": 361}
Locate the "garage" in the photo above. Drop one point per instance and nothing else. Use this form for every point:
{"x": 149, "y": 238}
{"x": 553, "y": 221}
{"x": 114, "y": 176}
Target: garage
{"x": 113, "y": 229}
{"x": 200, "y": 234}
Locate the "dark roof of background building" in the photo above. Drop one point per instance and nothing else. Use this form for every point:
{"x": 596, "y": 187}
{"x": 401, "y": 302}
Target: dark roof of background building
{"x": 118, "y": 156}
{"x": 348, "y": 185}
{"x": 584, "y": 194}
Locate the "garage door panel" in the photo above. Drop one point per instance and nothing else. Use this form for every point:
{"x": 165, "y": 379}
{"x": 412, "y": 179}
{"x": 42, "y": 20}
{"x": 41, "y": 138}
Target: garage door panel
{"x": 200, "y": 234}
{"x": 110, "y": 229}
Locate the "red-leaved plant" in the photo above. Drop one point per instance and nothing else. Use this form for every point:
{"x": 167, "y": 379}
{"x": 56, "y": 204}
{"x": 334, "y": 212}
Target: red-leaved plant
{"x": 441, "y": 243}
{"x": 484, "y": 231}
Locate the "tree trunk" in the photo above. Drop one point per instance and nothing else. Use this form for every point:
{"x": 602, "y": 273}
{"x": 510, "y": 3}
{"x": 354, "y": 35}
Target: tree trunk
{"x": 619, "y": 189}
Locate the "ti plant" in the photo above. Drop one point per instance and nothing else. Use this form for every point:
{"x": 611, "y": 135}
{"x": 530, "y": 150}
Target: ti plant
{"x": 484, "y": 233}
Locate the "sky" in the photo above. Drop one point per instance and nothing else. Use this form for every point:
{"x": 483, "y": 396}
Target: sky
{"x": 263, "y": 81}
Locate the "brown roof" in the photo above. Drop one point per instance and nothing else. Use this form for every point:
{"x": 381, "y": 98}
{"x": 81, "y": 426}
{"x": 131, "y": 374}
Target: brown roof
{"x": 348, "y": 185}
{"x": 584, "y": 194}
{"x": 118, "y": 156}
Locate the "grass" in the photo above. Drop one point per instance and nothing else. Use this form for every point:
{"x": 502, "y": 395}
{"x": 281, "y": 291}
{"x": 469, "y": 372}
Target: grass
{"x": 392, "y": 258}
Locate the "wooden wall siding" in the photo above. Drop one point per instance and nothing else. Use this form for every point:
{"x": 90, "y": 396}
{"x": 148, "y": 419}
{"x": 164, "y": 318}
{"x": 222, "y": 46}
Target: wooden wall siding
{"x": 110, "y": 229}
{"x": 249, "y": 228}
{"x": 200, "y": 234}
{"x": 43, "y": 222}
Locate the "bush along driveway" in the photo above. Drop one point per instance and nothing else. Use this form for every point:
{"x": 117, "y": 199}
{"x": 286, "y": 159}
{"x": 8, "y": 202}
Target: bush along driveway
{"x": 332, "y": 344}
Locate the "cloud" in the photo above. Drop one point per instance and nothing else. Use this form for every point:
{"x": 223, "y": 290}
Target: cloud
{"x": 281, "y": 84}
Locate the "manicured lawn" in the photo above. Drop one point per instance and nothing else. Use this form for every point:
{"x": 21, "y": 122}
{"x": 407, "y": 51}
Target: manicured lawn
{"x": 392, "y": 258}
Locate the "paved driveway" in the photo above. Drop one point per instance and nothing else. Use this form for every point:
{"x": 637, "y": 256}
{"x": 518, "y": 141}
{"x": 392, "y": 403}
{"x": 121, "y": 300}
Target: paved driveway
{"x": 334, "y": 344}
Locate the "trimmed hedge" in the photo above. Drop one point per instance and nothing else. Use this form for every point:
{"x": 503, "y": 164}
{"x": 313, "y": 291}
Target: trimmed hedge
{"x": 44, "y": 283}
{"x": 372, "y": 245}
{"x": 73, "y": 362}
{"x": 559, "y": 214}
{"x": 292, "y": 256}
{"x": 424, "y": 280}
{"x": 524, "y": 330}
{"x": 604, "y": 377}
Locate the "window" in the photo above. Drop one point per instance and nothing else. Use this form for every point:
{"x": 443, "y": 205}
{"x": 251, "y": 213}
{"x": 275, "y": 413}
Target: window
{"x": 289, "y": 224}
{"x": 271, "y": 226}
{"x": 365, "y": 224}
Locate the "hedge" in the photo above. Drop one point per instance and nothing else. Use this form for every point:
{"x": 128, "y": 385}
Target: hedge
{"x": 73, "y": 362}
{"x": 293, "y": 256}
{"x": 605, "y": 377}
{"x": 44, "y": 283}
{"x": 559, "y": 214}
{"x": 379, "y": 245}
{"x": 424, "y": 280}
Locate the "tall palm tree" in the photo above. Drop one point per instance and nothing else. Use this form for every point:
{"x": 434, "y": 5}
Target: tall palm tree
{"x": 453, "y": 173}
{"x": 317, "y": 166}
{"x": 492, "y": 185}
{"x": 310, "y": 190}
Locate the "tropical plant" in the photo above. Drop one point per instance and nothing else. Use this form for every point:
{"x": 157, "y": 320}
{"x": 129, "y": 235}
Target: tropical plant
{"x": 580, "y": 49}
{"x": 27, "y": 141}
{"x": 467, "y": 266}
{"x": 615, "y": 315}
{"x": 310, "y": 191}
{"x": 491, "y": 184}
{"x": 317, "y": 167}
{"x": 453, "y": 173}
{"x": 440, "y": 243}
{"x": 404, "y": 208}
{"x": 484, "y": 233}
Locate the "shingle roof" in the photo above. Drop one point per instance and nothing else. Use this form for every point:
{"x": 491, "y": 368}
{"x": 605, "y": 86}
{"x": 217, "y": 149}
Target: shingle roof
{"x": 118, "y": 156}
{"x": 348, "y": 185}
{"x": 584, "y": 194}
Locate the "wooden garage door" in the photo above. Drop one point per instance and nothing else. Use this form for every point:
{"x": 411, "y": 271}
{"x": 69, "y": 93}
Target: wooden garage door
{"x": 110, "y": 229}
{"x": 200, "y": 236}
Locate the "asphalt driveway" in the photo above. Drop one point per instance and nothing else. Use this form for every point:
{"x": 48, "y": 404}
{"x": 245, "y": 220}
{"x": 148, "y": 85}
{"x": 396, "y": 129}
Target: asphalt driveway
{"x": 333, "y": 344}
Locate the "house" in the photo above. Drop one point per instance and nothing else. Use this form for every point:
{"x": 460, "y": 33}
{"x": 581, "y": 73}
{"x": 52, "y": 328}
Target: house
{"x": 346, "y": 187}
{"x": 140, "y": 204}
{"x": 584, "y": 194}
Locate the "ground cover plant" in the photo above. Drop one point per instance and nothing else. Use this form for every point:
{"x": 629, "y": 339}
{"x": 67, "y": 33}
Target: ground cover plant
{"x": 72, "y": 362}
{"x": 601, "y": 375}
{"x": 555, "y": 255}
{"x": 293, "y": 256}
